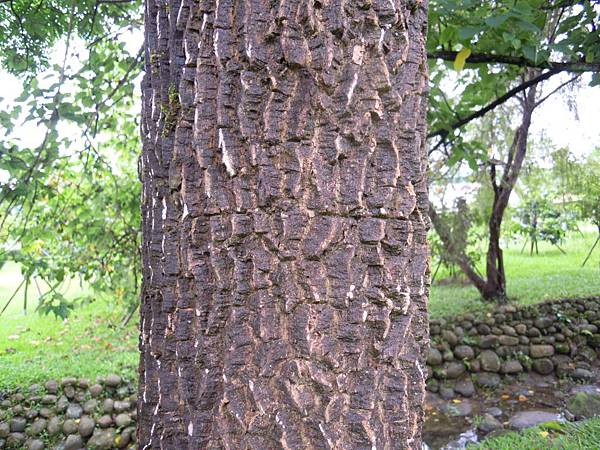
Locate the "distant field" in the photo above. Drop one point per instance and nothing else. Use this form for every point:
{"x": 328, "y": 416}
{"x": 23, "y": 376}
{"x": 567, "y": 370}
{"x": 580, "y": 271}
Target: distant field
{"x": 36, "y": 348}
{"x": 530, "y": 279}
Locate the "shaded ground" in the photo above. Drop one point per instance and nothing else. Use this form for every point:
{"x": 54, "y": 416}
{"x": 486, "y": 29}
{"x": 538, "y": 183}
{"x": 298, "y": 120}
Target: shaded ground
{"x": 446, "y": 420}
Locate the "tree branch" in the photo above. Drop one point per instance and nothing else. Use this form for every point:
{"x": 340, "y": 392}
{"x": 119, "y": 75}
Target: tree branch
{"x": 521, "y": 61}
{"x": 443, "y": 132}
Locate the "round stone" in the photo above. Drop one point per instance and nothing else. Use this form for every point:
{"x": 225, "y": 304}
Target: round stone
{"x": 90, "y": 406}
{"x": 123, "y": 392}
{"x": 35, "y": 444}
{"x": 4, "y": 430}
{"x": 70, "y": 427}
{"x": 488, "y": 341}
{"x": 584, "y": 405}
{"x": 533, "y": 332}
{"x": 62, "y": 404}
{"x": 105, "y": 421}
{"x": 51, "y": 386}
{"x": 69, "y": 391}
{"x": 464, "y": 352}
{"x": 454, "y": 369}
{"x": 68, "y": 381}
{"x": 512, "y": 366}
{"x": 96, "y": 390}
{"x": 465, "y": 387}
{"x": 37, "y": 427}
{"x": 121, "y": 406}
{"x": 488, "y": 380}
{"x": 122, "y": 440}
{"x": 434, "y": 357}
{"x": 74, "y": 411}
{"x": 494, "y": 411}
{"x": 86, "y": 426}
{"x": 108, "y": 405}
{"x": 484, "y": 329}
{"x": 490, "y": 362}
{"x": 15, "y": 440}
{"x": 54, "y": 426}
{"x": 449, "y": 337}
{"x": 73, "y": 442}
{"x": 49, "y": 399}
{"x": 541, "y": 351}
{"x": 123, "y": 420}
{"x": 509, "y": 341}
{"x": 526, "y": 419}
{"x": 446, "y": 392}
{"x": 113, "y": 381}
{"x": 543, "y": 322}
{"x": 543, "y": 366}
{"x": 31, "y": 414}
{"x": 433, "y": 385}
{"x": 489, "y": 423}
{"x": 448, "y": 355}
{"x": 582, "y": 374}
{"x": 102, "y": 439}
{"x": 18, "y": 424}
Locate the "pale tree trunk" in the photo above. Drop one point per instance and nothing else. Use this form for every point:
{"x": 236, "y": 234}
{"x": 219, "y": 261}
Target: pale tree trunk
{"x": 284, "y": 220}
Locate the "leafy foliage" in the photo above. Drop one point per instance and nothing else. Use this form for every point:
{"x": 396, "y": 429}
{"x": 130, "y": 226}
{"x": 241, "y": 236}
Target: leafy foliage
{"x": 497, "y": 40}
{"x": 463, "y": 240}
{"x": 539, "y": 220}
{"x": 29, "y": 30}
{"x": 70, "y": 204}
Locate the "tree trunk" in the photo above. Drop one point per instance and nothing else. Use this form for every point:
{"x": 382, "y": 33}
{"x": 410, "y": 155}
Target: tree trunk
{"x": 495, "y": 286}
{"x": 285, "y": 261}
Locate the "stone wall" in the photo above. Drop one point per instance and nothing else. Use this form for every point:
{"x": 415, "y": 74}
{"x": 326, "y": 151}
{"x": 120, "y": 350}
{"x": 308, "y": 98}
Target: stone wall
{"x": 555, "y": 337}
{"x": 560, "y": 338}
{"x": 69, "y": 415}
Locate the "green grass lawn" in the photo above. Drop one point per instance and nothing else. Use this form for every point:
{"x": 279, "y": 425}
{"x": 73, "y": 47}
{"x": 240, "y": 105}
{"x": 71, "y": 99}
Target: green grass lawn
{"x": 572, "y": 436}
{"x": 530, "y": 279}
{"x": 36, "y": 348}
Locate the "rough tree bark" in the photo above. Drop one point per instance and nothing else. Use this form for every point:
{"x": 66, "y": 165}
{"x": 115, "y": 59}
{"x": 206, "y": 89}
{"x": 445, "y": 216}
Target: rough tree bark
{"x": 284, "y": 219}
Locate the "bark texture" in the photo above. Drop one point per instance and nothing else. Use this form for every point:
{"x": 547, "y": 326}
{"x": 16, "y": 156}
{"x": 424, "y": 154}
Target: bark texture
{"x": 284, "y": 219}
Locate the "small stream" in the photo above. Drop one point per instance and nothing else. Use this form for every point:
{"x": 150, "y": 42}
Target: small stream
{"x": 452, "y": 424}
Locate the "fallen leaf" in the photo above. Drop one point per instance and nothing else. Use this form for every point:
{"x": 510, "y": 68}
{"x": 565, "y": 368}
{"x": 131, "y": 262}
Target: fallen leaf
{"x": 522, "y": 398}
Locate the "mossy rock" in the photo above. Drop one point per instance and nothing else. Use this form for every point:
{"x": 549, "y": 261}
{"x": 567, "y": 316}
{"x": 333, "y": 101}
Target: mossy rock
{"x": 584, "y": 405}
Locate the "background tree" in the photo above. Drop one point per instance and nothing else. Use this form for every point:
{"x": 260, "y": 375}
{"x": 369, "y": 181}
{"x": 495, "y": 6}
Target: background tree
{"x": 520, "y": 38}
{"x": 284, "y": 221}
{"x": 586, "y": 189}
{"x": 69, "y": 203}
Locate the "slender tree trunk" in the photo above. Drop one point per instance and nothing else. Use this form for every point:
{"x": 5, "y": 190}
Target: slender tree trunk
{"x": 284, "y": 220}
{"x": 495, "y": 286}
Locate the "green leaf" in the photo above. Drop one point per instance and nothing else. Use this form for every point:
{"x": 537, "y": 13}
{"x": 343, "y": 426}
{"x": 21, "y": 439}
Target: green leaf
{"x": 467, "y": 32}
{"x": 496, "y": 21}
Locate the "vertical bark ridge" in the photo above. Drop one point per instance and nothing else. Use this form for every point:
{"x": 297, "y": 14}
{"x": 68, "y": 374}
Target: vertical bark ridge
{"x": 284, "y": 214}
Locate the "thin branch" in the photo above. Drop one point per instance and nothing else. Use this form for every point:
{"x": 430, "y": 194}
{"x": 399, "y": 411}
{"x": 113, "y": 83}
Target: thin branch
{"x": 443, "y": 133}
{"x": 521, "y": 61}
{"x": 543, "y": 99}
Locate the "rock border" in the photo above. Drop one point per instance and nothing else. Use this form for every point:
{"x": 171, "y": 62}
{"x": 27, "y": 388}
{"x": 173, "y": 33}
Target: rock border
{"x": 556, "y": 337}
